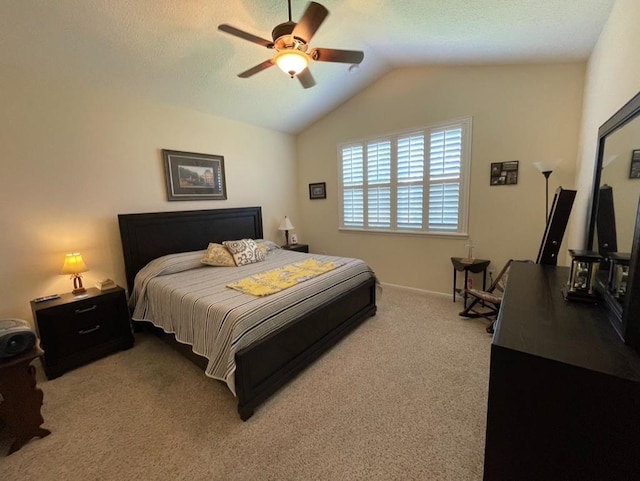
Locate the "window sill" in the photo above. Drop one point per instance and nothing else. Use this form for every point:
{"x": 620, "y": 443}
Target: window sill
{"x": 440, "y": 235}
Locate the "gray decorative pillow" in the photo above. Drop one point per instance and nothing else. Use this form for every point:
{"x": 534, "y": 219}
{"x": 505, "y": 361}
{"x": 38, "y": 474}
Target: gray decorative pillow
{"x": 267, "y": 245}
{"x": 244, "y": 251}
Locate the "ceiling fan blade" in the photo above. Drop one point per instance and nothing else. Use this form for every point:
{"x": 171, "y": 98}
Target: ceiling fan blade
{"x": 306, "y": 79}
{"x": 311, "y": 20}
{"x": 258, "y": 68}
{"x": 245, "y": 35}
{"x": 335, "y": 55}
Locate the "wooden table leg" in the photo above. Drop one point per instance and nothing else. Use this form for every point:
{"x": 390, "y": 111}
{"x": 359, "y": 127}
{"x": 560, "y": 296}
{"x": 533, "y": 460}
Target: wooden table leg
{"x": 454, "y": 285}
{"x": 21, "y": 399}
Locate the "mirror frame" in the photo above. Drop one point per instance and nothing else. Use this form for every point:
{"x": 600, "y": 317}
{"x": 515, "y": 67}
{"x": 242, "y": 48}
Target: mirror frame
{"x": 626, "y": 324}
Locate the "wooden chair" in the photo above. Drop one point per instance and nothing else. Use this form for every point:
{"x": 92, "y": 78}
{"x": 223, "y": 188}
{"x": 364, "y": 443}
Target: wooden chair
{"x": 487, "y": 303}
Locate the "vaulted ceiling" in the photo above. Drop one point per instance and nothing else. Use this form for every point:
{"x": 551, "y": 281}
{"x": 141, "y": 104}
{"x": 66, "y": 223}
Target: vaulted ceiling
{"x": 171, "y": 50}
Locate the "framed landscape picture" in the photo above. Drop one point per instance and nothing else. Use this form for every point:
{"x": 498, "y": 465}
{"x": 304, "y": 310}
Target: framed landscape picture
{"x": 318, "y": 190}
{"x": 191, "y": 176}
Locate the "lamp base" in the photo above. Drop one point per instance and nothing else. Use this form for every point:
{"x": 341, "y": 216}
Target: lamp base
{"x": 77, "y": 285}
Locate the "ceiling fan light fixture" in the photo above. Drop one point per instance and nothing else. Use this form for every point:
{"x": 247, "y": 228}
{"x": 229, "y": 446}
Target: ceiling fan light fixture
{"x": 292, "y": 62}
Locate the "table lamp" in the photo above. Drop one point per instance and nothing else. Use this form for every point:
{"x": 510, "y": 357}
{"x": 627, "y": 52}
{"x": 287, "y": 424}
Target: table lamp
{"x": 74, "y": 265}
{"x": 286, "y": 226}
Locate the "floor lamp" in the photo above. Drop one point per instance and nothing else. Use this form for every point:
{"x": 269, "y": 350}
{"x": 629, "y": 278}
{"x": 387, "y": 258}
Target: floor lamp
{"x": 546, "y": 167}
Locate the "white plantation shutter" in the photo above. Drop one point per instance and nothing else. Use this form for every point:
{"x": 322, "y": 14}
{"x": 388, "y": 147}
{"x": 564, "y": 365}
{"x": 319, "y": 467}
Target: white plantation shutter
{"x": 443, "y": 206}
{"x": 445, "y": 166}
{"x": 410, "y": 182}
{"x": 353, "y": 186}
{"x": 379, "y": 207}
{"x": 379, "y": 184}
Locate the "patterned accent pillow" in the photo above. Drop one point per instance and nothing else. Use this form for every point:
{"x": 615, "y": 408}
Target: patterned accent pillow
{"x": 244, "y": 251}
{"x": 218, "y": 255}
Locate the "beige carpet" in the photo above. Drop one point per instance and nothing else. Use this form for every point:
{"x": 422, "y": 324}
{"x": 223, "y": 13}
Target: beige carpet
{"x": 402, "y": 398}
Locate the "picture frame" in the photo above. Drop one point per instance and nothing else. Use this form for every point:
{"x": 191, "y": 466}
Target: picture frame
{"x": 504, "y": 173}
{"x": 318, "y": 190}
{"x": 634, "y": 169}
{"x": 193, "y": 176}
{"x": 293, "y": 239}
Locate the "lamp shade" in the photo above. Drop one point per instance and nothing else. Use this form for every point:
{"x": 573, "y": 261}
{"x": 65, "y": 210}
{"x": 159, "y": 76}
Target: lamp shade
{"x": 547, "y": 165}
{"x": 73, "y": 264}
{"x": 291, "y": 61}
{"x": 286, "y": 224}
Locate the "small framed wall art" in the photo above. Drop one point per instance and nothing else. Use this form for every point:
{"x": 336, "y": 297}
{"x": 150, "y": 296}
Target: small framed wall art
{"x": 504, "y": 173}
{"x": 191, "y": 176}
{"x": 318, "y": 190}
{"x": 634, "y": 170}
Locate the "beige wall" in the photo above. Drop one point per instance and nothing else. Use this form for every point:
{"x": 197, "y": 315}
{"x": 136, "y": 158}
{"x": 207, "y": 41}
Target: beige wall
{"x": 521, "y": 112}
{"x": 74, "y": 157}
{"x": 613, "y": 77}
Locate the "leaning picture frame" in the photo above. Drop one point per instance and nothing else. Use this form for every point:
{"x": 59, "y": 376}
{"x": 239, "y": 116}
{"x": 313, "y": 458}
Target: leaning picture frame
{"x": 192, "y": 176}
{"x": 634, "y": 169}
{"x": 318, "y": 190}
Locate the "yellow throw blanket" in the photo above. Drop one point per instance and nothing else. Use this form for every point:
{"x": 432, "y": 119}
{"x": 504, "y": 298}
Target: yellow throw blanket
{"x": 276, "y": 280}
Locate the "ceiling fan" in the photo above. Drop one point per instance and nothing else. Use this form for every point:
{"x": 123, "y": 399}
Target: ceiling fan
{"x": 291, "y": 41}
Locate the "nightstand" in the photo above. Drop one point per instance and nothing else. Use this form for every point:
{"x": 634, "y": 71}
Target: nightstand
{"x": 75, "y": 330}
{"x": 297, "y": 247}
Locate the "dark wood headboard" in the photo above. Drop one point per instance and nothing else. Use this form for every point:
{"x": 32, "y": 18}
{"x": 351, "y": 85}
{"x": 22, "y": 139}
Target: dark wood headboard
{"x": 148, "y": 236}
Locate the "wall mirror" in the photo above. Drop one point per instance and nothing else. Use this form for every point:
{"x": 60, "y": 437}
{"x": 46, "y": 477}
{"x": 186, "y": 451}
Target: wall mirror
{"x": 614, "y": 220}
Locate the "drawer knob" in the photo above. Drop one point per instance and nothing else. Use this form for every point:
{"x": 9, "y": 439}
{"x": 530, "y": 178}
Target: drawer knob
{"x": 88, "y": 309}
{"x": 87, "y": 331}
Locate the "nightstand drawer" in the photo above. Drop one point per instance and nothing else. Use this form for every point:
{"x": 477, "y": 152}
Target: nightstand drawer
{"x": 80, "y": 316}
{"x": 86, "y": 325}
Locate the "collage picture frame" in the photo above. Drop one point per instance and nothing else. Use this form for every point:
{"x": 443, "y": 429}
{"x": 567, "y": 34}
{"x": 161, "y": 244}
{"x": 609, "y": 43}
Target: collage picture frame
{"x": 504, "y": 173}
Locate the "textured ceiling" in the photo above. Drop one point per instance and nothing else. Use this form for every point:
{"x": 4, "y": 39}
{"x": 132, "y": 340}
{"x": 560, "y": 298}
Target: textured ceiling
{"x": 171, "y": 50}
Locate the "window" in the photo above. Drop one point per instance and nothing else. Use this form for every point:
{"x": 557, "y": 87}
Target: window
{"x": 412, "y": 182}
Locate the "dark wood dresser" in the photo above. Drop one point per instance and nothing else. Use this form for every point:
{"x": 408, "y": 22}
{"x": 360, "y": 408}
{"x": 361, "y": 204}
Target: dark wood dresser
{"x": 564, "y": 390}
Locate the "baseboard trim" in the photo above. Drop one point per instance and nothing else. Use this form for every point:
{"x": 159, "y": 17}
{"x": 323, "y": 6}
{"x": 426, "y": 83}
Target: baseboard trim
{"x": 415, "y": 289}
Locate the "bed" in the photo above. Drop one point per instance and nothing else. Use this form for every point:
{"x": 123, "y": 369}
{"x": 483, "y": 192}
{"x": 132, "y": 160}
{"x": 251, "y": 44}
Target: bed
{"x": 268, "y": 363}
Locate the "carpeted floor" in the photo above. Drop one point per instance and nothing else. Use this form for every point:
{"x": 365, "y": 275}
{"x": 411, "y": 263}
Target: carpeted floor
{"x": 402, "y": 398}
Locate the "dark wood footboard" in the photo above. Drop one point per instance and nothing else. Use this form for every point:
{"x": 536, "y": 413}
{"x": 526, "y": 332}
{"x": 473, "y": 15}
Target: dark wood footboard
{"x": 268, "y": 364}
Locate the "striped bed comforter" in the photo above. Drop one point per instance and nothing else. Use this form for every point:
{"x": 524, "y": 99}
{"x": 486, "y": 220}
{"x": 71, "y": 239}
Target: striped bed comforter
{"x": 189, "y": 299}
